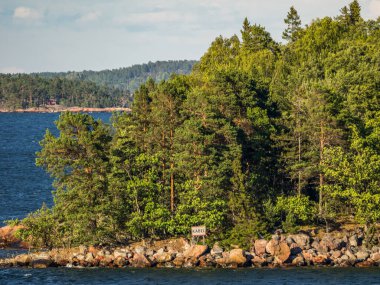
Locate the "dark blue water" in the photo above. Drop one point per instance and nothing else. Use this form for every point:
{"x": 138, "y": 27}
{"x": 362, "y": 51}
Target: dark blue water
{"x": 24, "y": 187}
{"x": 293, "y": 276}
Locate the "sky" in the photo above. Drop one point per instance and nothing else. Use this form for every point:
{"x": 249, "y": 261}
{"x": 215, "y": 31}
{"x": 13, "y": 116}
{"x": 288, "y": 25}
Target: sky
{"x": 63, "y": 35}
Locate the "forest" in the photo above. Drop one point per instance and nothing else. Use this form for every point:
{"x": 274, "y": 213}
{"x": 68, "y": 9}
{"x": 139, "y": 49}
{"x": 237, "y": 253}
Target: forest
{"x": 260, "y": 136}
{"x": 128, "y": 78}
{"x": 21, "y": 91}
{"x": 107, "y": 88}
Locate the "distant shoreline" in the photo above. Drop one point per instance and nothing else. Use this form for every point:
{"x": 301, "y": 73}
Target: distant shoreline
{"x": 58, "y": 109}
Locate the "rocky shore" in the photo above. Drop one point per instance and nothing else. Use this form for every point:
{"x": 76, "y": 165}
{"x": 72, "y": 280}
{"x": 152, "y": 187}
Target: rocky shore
{"x": 58, "y": 108}
{"x": 342, "y": 249}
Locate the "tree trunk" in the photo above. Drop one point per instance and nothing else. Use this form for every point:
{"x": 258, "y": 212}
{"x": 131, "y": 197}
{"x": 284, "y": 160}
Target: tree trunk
{"x": 171, "y": 174}
{"x": 299, "y": 162}
{"x": 171, "y": 187}
{"x": 321, "y": 176}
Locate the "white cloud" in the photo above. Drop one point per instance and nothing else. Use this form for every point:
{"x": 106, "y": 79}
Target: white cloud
{"x": 149, "y": 18}
{"x": 374, "y": 8}
{"x": 91, "y": 16}
{"x": 26, "y": 13}
{"x": 11, "y": 69}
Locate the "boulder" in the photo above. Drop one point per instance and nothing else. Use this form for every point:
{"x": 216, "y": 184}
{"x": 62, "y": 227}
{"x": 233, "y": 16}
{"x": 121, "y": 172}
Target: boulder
{"x": 238, "y": 257}
{"x": 82, "y": 249}
{"x": 89, "y": 257}
{"x": 365, "y": 263}
{"x": 298, "y": 261}
{"x": 8, "y": 237}
{"x": 336, "y": 254}
{"x": 119, "y": 253}
{"x": 106, "y": 261}
{"x": 344, "y": 257}
{"x": 93, "y": 250}
{"x": 7, "y": 262}
{"x": 320, "y": 259}
{"x": 61, "y": 257}
{"x": 206, "y": 261}
{"x": 320, "y": 246}
{"x": 149, "y": 252}
{"x": 191, "y": 262}
{"x": 338, "y": 244}
{"x": 302, "y": 240}
{"x": 375, "y": 256}
{"x": 100, "y": 254}
{"x": 259, "y": 261}
{"x": 362, "y": 255}
{"x": 179, "y": 260}
{"x": 281, "y": 252}
{"x": 173, "y": 245}
{"x": 140, "y": 249}
{"x": 260, "y": 246}
{"x": 344, "y": 262}
{"x": 41, "y": 260}
{"x": 163, "y": 257}
{"x": 120, "y": 261}
{"x": 295, "y": 249}
{"x": 139, "y": 260}
{"x": 353, "y": 240}
{"x": 350, "y": 255}
{"x": 289, "y": 240}
{"x": 195, "y": 251}
{"x": 22, "y": 260}
{"x": 270, "y": 247}
{"x": 327, "y": 243}
{"x": 216, "y": 250}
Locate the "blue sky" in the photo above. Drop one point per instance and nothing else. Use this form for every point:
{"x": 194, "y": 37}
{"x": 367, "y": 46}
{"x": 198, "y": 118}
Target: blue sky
{"x": 62, "y": 35}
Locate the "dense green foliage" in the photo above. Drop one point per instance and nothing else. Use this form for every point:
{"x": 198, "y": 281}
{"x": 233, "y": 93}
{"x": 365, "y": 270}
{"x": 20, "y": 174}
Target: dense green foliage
{"x": 128, "y": 78}
{"x": 259, "y": 136}
{"x": 26, "y": 91}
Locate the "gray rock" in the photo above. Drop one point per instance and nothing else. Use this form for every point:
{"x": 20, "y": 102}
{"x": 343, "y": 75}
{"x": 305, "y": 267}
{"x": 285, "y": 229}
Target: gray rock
{"x": 149, "y": 252}
{"x": 140, "y": 249}
{"x": 289, "y": 240}
{"x": 160, "y": 251}
{"x": 302, "y": 240}
{"x": 350, "y": 255}
{"x": 82, "y": 249}
{"x": 80, "y": 257}
{"x": 216, "y": 250}
{"x": 375, "y": 256}
{"x": 298, "y": 261}
{"x": 119, "y": 253}
{"x": 259, "y": 246}
{"x": 362, "y": 255}
{"x": 336, "y": 254}
{"x": 353, "y": 240}
{"x": 89, "y": 257}
{"x": 344, "y": 257}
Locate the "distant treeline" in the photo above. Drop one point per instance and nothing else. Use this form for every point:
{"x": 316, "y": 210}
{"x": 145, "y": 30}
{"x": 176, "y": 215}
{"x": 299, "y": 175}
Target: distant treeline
{"x": 27, "y": 91}
{"x": 129, "y": 78}
{"x": 107, "y": 88}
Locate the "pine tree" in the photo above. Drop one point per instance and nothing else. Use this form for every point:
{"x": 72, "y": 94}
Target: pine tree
{"x": 293, "y": 30}
{"x": 354, "y": 8}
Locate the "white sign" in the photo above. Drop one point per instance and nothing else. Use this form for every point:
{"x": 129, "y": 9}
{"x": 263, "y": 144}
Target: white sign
{"x": 198, "y": 231}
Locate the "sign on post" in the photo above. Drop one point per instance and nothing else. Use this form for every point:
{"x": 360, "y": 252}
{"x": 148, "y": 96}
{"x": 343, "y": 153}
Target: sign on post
{"x": 198, "y": 231}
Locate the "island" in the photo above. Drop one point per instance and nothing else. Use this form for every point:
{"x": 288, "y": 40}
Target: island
{"x": 273, "y": 148}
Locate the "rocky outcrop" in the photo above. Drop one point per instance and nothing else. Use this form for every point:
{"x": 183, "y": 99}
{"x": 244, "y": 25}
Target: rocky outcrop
{"x": 280, "y": 250}
{"x": 8, "y": 237}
